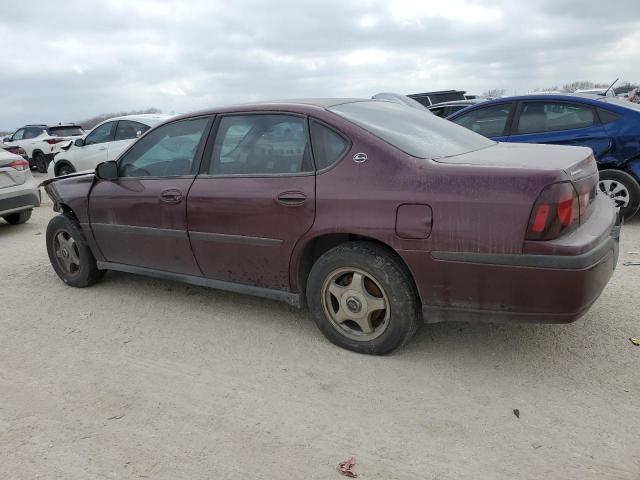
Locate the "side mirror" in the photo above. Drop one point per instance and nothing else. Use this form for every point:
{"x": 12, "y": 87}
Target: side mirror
{"x": 6, "y": 139}
{"x": 107, "y": 170}
{"x": 79, "y": 142}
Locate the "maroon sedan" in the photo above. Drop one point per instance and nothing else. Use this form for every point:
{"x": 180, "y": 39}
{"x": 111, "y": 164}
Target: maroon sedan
{"x": 375, "y": 215}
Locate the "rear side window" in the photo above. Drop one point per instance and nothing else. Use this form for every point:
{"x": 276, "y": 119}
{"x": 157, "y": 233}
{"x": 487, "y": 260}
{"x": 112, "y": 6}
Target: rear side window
{"x": 489, "y": 121}
{"x": 607, "y": 116}
{"x": 32, "y": 132}
{"x": 128, "y": 129}
{"x": 540, "y": 117}
{"x": 414, "y": 131}
{"x": 328, "y": 145}
{"x": 263, "y": 144}
{"x": 65, "y": 131}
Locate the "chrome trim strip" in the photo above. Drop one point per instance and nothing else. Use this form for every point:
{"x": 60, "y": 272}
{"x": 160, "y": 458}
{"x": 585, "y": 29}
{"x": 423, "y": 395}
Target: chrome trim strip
{"x": 134, "y": 229}
{"x": 240, "y": 239}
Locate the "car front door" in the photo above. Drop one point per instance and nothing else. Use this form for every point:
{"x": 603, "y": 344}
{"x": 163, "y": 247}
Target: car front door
{"x": 560, "y": 123}
{"x": 253, "y": 199}
{"x": 94, "y": 149}
{"x": 490, "y": 120}
{"x": 140, "y": 219}
{"x": 126, "y": 132}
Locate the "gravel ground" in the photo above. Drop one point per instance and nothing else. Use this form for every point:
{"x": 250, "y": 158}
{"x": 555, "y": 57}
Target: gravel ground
{"x": 141, "y": 378}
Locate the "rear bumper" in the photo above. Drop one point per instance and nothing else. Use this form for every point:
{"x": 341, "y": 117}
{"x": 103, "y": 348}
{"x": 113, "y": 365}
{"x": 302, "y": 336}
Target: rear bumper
{"x": 20, "y": 197}
{"x": 523, "y": 288}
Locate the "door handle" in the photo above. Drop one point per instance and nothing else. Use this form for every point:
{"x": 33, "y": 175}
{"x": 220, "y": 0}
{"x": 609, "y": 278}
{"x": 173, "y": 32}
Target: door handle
{"x": 171, "y": 195}
{"x": 291, "y": 198}
{"x": 102, "y": 148}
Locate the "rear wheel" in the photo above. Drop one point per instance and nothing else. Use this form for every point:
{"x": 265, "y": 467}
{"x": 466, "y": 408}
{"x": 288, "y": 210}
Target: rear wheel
{"x": 65, "y": 169}
{"x": 40, "y": 161}
{"x": 363, "y": 299}
{"x": 70, "y": 254}
{"x": 18, "y": 217}
{"x": 623, "y": 189}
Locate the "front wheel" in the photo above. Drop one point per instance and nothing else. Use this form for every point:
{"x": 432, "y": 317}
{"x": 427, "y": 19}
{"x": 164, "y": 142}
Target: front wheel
{"x": 65, "y": 169}
{"x": 69, "y": 253}
{"x": 362, "y": 298}
{"x": 623, "y": 189}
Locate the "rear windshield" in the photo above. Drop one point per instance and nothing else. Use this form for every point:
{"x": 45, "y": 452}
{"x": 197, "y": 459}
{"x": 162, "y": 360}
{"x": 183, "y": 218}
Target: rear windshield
{"x": 418, "y": 133}
{"x": 65, "y": 131}
{"x": 620, "y": 102}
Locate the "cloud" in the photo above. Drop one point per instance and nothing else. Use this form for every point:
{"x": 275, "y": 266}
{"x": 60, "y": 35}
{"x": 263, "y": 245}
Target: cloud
{"x": 68, "y": 63}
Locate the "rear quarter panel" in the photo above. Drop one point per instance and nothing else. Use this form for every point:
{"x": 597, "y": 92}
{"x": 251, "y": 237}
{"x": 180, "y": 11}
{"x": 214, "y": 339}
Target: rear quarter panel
{"x": 475, "y": 208}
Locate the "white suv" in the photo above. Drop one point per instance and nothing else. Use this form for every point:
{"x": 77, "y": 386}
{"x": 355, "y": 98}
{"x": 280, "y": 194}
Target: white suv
{"x": 105, "y": 142}
{"x": 41, "y": 142}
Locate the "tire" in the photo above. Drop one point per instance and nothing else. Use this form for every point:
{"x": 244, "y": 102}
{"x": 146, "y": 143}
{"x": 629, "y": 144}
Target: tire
{"x": 363, "y": 299}
{"x": 40, "y": 161}
{"x": 65, "y": 169}
{"x": 18, "y": 217}
{"x": 623, "y": 189}
{"x": 69, "y": 253}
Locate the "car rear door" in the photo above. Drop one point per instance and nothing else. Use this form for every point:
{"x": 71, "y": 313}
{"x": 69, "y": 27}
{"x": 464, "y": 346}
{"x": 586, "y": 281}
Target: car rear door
{"x": 140, "y": 219}
{"x": 560, "y": 123}
{"x": 253, "y": 199}
{"x": 94, "y": 149}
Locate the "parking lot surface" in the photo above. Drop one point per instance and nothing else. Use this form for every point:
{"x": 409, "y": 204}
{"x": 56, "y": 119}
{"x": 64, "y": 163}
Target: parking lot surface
{"x": 142, "y": 378}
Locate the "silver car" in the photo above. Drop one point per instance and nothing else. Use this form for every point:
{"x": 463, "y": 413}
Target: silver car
{"x": 19, "y": 192}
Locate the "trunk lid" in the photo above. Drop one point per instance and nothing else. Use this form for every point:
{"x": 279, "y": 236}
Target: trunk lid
{"x": 575, "y": 162}
{"x": 9, "y": 176}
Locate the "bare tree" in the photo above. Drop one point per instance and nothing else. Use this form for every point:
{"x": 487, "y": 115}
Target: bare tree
{"x": 582, "y": 85}
{"x": 93, "y": 121}
{"x": 494, "y": 93}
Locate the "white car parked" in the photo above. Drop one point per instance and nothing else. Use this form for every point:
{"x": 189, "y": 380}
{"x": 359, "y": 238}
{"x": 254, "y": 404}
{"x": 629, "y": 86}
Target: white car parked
{"x": 19, "y": 192}
{"x": 42, "y": 142}
{"x": 105, "y": 142}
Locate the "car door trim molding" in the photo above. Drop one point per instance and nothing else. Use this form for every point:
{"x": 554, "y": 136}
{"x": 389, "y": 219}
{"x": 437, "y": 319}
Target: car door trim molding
{"x": 238, "y": 239}
{"x": 135, "y": 229}
{"x": 280, "y": 295}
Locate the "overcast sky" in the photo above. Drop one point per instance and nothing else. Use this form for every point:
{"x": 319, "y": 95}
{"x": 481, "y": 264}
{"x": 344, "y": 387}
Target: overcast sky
{"x": 67, "y": 61}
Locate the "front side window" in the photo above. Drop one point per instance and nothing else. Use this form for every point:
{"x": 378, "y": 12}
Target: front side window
{"x": 128, "y": 129}
{"x": 165, "y": 152}
{"x": 261, "y": 144}
{"x": 489, "y": 121}
{"x": 540, "y": 117}
{"x": 328, "y": 145}
{"x": 101, "y": 134}
{"x": 18, "y": 135}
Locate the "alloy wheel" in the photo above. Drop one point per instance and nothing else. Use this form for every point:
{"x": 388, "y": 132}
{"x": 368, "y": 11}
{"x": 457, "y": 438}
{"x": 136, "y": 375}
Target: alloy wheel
{"x": 67, "y": 252}
{"x": 617, "y": 191}
{"x": 356, "y": 304}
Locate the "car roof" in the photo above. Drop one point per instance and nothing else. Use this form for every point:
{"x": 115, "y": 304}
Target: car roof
{"x": 293, "y": 105}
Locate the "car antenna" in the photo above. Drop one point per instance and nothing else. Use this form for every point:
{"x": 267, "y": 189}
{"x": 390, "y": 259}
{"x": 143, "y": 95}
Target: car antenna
{"x": 607, "y": 90}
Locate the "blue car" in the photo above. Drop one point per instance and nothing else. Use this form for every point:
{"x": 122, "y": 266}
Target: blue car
{"x": 607, "y": 125}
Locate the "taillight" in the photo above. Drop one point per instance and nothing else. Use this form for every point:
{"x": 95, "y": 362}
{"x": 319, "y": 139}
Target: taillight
{"x": 53, "y": 141}
{"x": 561, "y": 207}
{"x": 19, "y": 164}
{"x": 586, "y": 189}
{"x": 556, "y": 211}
